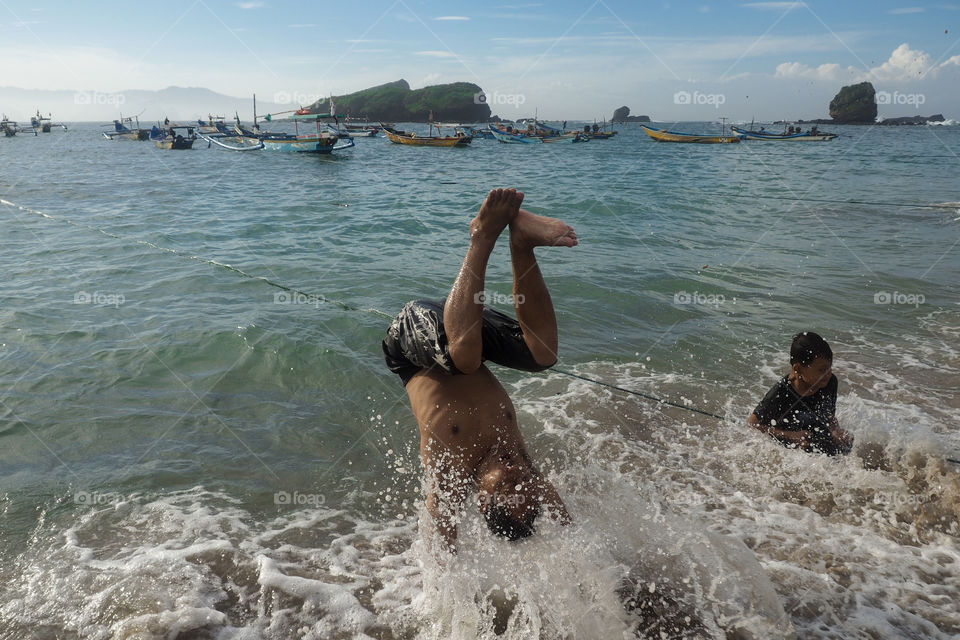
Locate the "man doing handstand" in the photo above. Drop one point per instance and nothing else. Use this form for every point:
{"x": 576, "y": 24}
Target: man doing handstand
{"x": 469, "y": 437}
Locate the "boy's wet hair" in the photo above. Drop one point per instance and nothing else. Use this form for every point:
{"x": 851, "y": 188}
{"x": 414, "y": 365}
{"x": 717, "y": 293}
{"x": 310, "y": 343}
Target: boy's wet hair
{"x": 501, "y": 523}
{"x": 807, "y": 346}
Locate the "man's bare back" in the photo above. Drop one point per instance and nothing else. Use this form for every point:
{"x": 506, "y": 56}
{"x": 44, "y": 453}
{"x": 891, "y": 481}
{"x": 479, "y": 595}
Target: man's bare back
{"x": 469, "y": 436}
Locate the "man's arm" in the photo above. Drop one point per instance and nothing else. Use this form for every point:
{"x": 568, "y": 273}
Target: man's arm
{"x": 445, "y": 515}
{"x": 554, "y": 505}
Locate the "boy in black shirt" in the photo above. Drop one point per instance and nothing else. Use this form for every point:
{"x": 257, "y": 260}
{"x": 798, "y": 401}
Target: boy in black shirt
{"x": 800, "y": 410}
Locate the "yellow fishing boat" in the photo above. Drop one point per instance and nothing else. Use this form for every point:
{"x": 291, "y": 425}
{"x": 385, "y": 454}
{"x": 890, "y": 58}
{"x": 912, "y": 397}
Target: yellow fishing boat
{"x": 662, "y": 135}
{"x": 408, "y": 138}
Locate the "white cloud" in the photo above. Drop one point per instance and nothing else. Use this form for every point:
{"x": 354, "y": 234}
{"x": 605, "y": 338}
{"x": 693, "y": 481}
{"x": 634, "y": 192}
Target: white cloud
{"x": 829, "y": 72}
{"x": 249, "y": 5}
{"x": 452, "y": 18}
{"x": 904, "y": 64}
{"x": 436, "y": 54}
{"x": 774, "y": 6}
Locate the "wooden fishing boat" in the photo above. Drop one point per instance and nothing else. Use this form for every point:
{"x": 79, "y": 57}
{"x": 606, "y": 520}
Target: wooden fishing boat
{"x": 321, "y": 141}
{"x": 41, "y": 124}
{"x": 541, "y": 134}
{"x": 662, "y": 135}
{"x": 412, "y": 139}
{"x": 172, "y": 136}
{"x": 596, "y": 132}
{"x": 514, "y": 136}
{"x": 811, "y": 135}
{"x": 121, "y": 130}
{"x": 8, "y": 127}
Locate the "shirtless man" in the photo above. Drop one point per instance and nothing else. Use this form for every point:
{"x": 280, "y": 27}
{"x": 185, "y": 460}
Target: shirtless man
{"x": 469, "y": 437}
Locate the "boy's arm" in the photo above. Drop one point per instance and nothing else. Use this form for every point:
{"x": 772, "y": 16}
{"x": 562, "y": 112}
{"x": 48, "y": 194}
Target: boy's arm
{"x": 841, "y": 436}
{"x": 798, "y": 437}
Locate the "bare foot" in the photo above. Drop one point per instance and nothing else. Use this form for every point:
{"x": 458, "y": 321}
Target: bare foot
{"x": 529, "y": 230}
{"x": 497, "y": 211}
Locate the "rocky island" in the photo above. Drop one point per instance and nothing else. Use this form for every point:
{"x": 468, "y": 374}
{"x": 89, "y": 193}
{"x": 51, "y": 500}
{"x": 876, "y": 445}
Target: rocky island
{"x": 396, "y": 102}
{"x": 857, "y": 104}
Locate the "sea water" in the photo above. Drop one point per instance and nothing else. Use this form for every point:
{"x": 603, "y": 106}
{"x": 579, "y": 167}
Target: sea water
{"x": 186, "y": 452}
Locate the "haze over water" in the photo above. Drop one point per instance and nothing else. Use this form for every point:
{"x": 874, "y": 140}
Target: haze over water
{"x": 186, "y": 452}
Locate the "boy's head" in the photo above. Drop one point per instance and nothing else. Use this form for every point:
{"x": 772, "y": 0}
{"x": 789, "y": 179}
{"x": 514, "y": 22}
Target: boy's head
{"x": 812, "y": 362}
{"x": 807, "y": 346}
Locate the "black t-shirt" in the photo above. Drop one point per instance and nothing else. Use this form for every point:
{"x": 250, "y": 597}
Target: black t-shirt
{"x": 784, "y": 408}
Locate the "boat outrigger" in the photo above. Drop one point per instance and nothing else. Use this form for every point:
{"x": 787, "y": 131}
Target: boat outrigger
{"x": 662, "y": 135}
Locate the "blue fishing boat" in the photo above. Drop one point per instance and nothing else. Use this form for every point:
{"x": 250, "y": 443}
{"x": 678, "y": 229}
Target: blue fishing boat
{"x": 812, "y": 135}
{"x": 534, "y": 136}
{"x": 126, "y": 129}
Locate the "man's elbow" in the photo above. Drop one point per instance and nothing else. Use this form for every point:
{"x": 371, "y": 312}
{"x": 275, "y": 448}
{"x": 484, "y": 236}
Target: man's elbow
{"x": 466, "y": 361}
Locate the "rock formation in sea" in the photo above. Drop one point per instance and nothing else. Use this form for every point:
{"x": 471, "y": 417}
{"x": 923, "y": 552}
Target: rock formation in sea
{"x": 854, "y": 104}
{"x": 622, "y": 114}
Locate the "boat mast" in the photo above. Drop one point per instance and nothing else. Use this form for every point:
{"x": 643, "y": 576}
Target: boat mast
{"x": 256, "y": 127}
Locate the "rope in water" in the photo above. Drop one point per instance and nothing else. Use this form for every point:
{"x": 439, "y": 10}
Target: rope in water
{"x": 344, "y": 305}
{"x": 905, "y": 205}
{"x": 283, "y": 287}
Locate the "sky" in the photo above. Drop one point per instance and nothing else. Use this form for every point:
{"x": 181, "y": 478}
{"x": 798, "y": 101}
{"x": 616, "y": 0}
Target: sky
{"x": 566, "y": 59}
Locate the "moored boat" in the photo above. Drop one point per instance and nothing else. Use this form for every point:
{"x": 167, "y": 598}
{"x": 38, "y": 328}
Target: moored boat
{"x": 121, "y": 130}
{"x": 321, "y": 141}
{"x": 662, "y": 135}
{"x": 8, "y": 127}
{"x": 410, "y": 138}
{"x": 509, "y": 135}
{"x": 170, "y": 137}
{"x": 541, "y": 134}
{"x": 811, "y": 135}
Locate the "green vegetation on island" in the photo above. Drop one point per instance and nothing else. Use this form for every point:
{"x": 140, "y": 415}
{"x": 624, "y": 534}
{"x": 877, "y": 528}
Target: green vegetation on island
{"x": 396, "y": 102}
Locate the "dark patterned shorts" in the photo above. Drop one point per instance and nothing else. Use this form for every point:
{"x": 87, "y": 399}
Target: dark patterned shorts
{"x": 416, "y": 340}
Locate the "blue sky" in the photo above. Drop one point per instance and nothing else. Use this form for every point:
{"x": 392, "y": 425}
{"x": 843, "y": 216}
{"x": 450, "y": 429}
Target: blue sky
{"x": 566, "y": 59}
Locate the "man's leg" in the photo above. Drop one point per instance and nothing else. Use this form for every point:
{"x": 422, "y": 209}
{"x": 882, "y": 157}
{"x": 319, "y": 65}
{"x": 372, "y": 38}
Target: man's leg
{"x": 462, "y": 312}
{"x": 531, "y": 299}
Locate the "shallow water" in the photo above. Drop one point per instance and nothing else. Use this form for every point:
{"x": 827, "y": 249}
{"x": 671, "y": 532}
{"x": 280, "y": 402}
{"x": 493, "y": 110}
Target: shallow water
{"x": 189, "y": 453}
